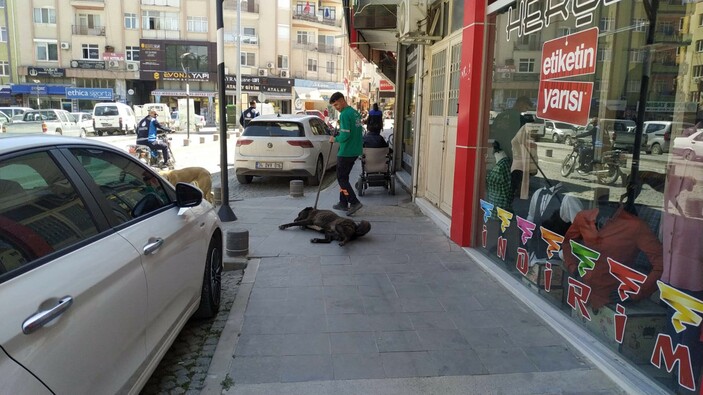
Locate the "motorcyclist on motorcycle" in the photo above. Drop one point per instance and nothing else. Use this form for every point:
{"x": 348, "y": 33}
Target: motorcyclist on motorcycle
{"x": 147, "y": 131}
{"x": 587, "y": 153}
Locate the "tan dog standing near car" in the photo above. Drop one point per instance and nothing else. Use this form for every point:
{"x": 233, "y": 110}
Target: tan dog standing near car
{"x": 197, "y": 176}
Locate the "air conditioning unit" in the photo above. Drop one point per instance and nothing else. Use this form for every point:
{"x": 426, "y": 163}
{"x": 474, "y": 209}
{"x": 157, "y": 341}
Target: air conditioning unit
{"x": 410, "y": 12}
{"x": 285, "y": 73}
{"x": 132, "y": 66}
{"x": 65, "y": 45}
{"x": 263, "y": 72}
{"x": 113, "y": 64}
{"x": 269, "y": 65}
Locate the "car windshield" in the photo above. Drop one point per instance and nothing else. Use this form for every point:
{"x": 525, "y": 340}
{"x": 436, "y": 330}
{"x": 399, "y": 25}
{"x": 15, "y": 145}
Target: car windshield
{"x": 562, "y": 125}
{"x": 274, "y": 129}
{"x": 106, "y": 110}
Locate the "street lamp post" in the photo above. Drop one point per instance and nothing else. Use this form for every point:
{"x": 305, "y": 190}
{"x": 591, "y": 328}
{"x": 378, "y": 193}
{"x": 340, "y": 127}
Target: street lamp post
{"x": 186, "y": 70}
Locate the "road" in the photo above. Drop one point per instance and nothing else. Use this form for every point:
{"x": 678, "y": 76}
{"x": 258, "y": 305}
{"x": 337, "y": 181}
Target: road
{"x": 207, "y": 155}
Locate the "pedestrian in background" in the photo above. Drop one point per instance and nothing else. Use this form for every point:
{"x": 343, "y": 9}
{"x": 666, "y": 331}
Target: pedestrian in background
{"x": 350, "y": 139}
{"x": 248, "y": 114}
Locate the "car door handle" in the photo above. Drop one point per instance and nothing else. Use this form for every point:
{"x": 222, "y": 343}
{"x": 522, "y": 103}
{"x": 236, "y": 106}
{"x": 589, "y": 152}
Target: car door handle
{"x": 153, "y": 245}
{"x": 42, "y": 318}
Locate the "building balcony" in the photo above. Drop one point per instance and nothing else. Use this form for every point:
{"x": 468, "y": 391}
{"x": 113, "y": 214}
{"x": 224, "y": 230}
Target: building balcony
{"x": 88, "y": 4}
{"x": 247, "y": 6}
{"x": 231, "y": 38}
{"x": 665, "y": 68}
{"x": 317, "y": 18}
{"x": 81, "y": 30}
{"x": 330, "y": 49}
{"x": 525, "y": 76}
{"x": 161, "y": 34}
{"x": 165, "y": 3}
{"x": 672, "y": 37}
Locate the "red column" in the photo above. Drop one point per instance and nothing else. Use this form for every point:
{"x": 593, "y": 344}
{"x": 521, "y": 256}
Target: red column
{"x": 466, "y": 170}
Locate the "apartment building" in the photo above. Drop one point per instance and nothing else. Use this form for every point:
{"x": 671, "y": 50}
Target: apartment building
{"x": 138, "y": 51}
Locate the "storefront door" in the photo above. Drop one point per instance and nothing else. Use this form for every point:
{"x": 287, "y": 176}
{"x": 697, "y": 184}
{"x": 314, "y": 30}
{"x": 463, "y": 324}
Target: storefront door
{"x": 445, "y": 59}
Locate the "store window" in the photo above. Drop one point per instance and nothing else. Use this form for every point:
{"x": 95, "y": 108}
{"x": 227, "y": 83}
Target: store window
{"x": 592, "y": 189}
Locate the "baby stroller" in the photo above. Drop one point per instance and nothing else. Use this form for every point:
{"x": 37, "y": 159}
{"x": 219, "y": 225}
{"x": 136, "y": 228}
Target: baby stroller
{"x": 376, "y": 170}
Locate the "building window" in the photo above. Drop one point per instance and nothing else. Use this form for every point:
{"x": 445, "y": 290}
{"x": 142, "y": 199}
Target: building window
{"x": 44, "y": 15}
{"x": 156, "y": 20}
{"x": 4, "y": 67}
{"x": 700, "y": 20}
{"x": 197, "y": 24}
{"x": 640, "y": 25}
{"x": 282, "y": 62}
{"x": 312, "y": 65}
{"x": 604, "y": 55}
{"x": 88, "y": 20}
{"x": 698, "y": 71}
{"x": 526, "y": 65}
{"x": 47, "y": 52}
{"x": 330, "y": 67}
{"x": 633, "y": 86}
{"x": 2, "y": 3}
{"x": 90, "y": 51}
{"x": 305, "y": 8}
{"x": 699, "y": 46}
{"x": 606, "y": 24}
{"x": 563, "y": 31}
{"x": 305, "y": 37}
{"x": 637, "y": 56}
{"x": 3, "y": 34}
{"x": 132, "y": 53}
{"x": 249, "y": 36}
{"x": 248, "y": 59}
{"x": 130, "y": 21}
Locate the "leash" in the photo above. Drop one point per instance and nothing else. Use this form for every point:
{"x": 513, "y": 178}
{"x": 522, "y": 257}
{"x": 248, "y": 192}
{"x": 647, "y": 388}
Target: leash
{"x": 319, "y": 186}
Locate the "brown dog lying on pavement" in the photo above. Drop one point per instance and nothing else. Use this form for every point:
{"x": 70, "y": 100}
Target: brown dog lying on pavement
{"x": 197, "y": 176}
{"x": 332, "y": 225}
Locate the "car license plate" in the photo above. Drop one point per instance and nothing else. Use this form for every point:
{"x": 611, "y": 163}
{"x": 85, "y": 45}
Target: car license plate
{"x": 106, "y": 124}
{"x": 269, "y": 165}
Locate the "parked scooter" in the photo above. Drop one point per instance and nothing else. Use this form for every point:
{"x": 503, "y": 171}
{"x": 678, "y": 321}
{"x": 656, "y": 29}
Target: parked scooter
{"x": 607, "y": 170}
{"x": 152, "y": 157}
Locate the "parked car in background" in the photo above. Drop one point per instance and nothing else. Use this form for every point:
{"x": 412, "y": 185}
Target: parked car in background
{"x": 284, "y": 145}
{"x": 12, "y": 111}
{"x": 656, "y": 137}
{"x": 621, "y": 132}
{"x": 161, "y": 109}
{"x": 46, "y": 121}
{"x": 4, "y": 119}
{"x": 533, "y": 124}
{"x": 560, "y": 132}
{"x": 689, "y": 147}
{"x": 196, "y": 122}
{"x": 83, "y": 321}
{"x": 113, "y": 118}
{"x": 85, "y": 121}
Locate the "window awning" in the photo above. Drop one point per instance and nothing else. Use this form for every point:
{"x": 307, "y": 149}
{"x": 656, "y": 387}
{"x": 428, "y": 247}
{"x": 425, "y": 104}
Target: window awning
{"x": 313, "y": 94}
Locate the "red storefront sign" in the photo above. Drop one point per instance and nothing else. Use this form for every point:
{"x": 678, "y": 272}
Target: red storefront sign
{"x": 384, "y": 85}
{"x": 569, "y": 56}
{"x": 565, "y": 101}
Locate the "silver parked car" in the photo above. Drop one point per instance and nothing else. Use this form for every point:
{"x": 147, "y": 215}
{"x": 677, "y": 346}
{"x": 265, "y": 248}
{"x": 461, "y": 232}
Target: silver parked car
{"x": 85, "y": 121}
{"x": 102, "y": 262}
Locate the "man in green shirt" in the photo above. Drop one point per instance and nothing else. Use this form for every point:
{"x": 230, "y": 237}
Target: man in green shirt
{"x": 350, "y": 139}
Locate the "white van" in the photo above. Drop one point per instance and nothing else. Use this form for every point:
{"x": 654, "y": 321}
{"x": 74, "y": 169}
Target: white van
{"x": 113, "y": 118}
{"x": 162, "y": 109}
{"x": 12, "y": 111}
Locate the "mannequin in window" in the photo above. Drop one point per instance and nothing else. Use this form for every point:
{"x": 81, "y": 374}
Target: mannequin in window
{"x": 616, "y": 234}
{"x": 498, "y": 180}
{"x": 551, "y": 208}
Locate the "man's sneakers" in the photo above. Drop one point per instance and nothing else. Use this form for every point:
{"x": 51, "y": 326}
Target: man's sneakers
{"x": 340, "y": 207}
{"x": 354, "y": 208}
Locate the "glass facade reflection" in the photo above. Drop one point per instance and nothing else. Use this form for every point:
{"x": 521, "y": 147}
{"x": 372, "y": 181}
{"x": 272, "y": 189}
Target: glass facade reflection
{"x": 593, "y": 189}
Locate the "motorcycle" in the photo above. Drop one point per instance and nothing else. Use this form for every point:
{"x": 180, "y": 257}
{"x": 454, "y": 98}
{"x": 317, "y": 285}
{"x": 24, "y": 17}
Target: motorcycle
{"x": 152, "y": 157}
{"x": 607, "y": 170}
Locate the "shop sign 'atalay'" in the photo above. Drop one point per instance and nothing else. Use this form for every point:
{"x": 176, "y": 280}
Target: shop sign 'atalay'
{"x": 569, "y": 56}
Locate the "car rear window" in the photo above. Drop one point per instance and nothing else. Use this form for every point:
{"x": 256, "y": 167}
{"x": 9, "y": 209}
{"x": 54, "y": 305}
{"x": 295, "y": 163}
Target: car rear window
{"x": 106, "y": 110}
{"x": 274, "y": 129}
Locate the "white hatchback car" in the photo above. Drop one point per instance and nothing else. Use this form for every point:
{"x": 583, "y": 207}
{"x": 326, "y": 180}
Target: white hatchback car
{"x": 85, "y": 121}
{"x": 690, "y": 147}
{"x": 102, "y": 262}
{"x": 284, "y": 145}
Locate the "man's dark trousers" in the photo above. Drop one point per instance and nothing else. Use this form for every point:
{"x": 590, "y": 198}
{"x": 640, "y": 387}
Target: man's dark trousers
{"x": 346, "y": 192}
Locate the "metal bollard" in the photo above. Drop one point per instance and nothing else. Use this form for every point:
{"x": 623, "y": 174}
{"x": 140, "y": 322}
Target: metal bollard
{"x": 215, "y": 137}
{"x": 237, "y": 242}
{"x": 202, "y": 140}
{"x": 296, "y": 188}
{"x": 186, "y": 142}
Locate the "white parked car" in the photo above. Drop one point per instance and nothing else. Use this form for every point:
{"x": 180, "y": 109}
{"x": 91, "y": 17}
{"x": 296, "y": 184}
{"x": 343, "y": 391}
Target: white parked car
{"x": 102, "y": 262}
{"x": 85, "y": 121}
{"x": 197, "y": 122}
{"x": 284, "y": 145}
{"x": 114, "y": 118}
{"x": 690, "y": 147}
